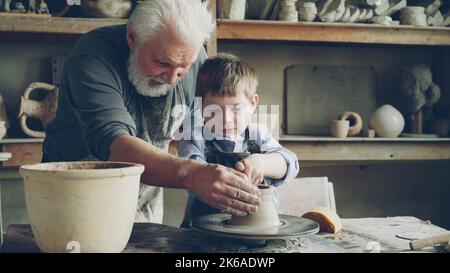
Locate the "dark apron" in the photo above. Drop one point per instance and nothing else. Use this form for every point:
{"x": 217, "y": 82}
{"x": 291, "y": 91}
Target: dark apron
{"x": 228, "y": 159}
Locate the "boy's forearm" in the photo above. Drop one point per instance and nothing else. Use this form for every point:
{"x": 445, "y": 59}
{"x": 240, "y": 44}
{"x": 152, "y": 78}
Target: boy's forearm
{"x": 274, "y": 164}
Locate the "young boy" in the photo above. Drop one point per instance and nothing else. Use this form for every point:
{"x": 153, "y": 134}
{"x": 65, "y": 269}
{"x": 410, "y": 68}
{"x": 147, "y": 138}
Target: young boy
{"x": 227, "y": 86}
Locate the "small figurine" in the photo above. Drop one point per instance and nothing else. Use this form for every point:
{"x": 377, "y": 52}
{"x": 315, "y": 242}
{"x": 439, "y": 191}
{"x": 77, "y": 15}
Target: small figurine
{"x": 43, "y": 8}
{"x": 19, "y": 8}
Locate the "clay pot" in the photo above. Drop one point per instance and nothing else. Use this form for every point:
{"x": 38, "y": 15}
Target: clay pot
{"x": 106, "y": 8}
{"x": 231, "y": 9}
{"x": 265, "y": 216}
{"x": 387, "y": 121}
{"x": 44, "y": 110}
{"x": 339, "y": 128}
{"x": 81, "y": 206}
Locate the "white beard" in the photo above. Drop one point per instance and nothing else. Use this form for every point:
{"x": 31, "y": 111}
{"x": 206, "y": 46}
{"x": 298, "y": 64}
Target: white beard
{"x": 141, "y": 81}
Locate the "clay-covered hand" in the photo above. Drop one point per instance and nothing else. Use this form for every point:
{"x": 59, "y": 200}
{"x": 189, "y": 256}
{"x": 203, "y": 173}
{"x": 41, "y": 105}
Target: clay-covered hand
{"x": 252, "y": 167}
{"x": 225, "y": 188}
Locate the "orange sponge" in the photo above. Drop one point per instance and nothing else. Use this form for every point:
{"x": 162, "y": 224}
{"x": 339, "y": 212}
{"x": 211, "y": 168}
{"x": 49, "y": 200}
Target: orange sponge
{"x": 328, "y": 220}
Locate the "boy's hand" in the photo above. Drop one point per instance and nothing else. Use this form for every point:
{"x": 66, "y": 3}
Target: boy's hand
{"x": 252, "y": 167}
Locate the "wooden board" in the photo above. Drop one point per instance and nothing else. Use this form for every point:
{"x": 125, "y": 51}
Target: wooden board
{"x": 368, "y": 151}
{"x": 315, "y": 95}
{"x": 332, "y": 32}
{"x": 22, "y": 153}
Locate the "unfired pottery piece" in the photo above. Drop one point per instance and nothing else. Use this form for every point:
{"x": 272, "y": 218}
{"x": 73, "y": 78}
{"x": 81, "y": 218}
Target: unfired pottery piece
{"x": 265, "y": 216}
{"x": 43, "y": 110}
{"x": 262, "y": 225}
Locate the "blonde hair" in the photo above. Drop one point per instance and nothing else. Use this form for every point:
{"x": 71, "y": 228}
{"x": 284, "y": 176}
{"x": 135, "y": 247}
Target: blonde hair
{"x": 226, "y": 75}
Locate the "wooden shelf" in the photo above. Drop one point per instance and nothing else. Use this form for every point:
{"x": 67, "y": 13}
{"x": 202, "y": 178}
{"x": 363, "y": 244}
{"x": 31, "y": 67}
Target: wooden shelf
{"x": 306, "y": 138}
{"x": 21, "y": 140}
{"x": 23, "y": 151}
{"x": 366, "y": 150}
{"x": 250, "y": 30}
{"x": 54, "y": 25}
{"x": 332, "y": 32}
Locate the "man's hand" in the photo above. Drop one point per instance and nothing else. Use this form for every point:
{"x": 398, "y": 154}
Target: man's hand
{"x": 252, "y": 167}
{"x": 224, "y": 188}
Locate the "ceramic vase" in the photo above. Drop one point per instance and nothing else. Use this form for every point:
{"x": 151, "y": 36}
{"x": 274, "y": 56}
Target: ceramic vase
{"x": 387, "y": 121}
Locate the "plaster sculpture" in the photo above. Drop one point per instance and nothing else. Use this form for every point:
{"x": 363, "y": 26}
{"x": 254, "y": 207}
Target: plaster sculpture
{"x": 288, "y": 11}
{"x": 307, "y": 11}
{"x": 419, "y": 94}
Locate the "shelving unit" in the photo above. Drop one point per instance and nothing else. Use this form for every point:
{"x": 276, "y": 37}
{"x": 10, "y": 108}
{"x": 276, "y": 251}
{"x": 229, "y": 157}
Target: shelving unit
{"x": 309, "y": 149}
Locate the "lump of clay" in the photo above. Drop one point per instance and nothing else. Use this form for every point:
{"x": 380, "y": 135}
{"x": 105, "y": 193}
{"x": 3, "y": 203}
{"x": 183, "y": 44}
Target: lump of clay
{"x": 328, "y": 220}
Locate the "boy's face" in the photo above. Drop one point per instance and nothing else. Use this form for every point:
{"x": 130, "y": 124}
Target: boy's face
{"x": 228, "y": 116}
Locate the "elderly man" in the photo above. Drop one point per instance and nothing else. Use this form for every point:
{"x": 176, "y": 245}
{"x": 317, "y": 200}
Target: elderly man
{"x": 119, "y": 87}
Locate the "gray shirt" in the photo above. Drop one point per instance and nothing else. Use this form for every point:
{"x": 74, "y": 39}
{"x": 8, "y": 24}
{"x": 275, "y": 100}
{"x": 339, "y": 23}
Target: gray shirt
{"x": 97, "y": 103}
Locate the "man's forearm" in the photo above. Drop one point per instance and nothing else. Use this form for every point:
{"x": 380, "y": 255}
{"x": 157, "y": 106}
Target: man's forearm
{"x": 161, "y": 168}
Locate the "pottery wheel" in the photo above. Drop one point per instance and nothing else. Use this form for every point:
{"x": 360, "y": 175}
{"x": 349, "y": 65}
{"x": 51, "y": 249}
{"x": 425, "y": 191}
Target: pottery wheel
{"x": 290, "y": 226}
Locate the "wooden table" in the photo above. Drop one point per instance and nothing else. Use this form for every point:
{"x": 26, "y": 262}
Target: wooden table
{"x": 358, "y": 235}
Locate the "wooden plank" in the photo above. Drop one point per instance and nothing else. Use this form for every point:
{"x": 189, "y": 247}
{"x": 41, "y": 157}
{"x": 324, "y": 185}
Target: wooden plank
{"x": 55, "y": 24}
{"x": 294, "y": 138}
{"x": 30, "y": 15}
{"x": 362, "y": 151}
{"x": 22, "y": 153}
{"x": 21, "y": 140}
{"x": 332, "y": 32}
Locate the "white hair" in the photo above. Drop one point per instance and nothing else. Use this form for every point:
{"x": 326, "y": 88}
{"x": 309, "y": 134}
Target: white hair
{"x": 189, "y": 19}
